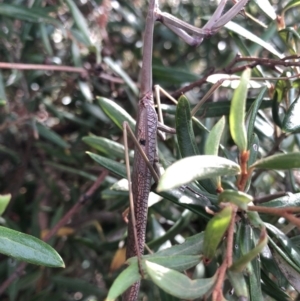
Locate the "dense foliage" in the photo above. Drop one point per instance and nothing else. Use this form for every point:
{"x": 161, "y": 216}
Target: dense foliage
{"x": 50, "y": 118}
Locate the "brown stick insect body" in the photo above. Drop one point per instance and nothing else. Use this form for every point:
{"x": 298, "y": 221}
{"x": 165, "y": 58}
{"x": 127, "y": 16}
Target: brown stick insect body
{"x": 145, "y": 133}
{"x": 145, "y": 157}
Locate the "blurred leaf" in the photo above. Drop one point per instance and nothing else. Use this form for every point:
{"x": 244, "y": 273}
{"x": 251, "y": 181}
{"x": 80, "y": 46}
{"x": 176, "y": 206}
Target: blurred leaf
{"x": 291, "y": 121}
{"x": 279, "y": 161}
{"x": 214, "y": 137}
{"x": 215, "y": 231}
{"x": 238, "y": 198}
{"x": 241, "y": 263}
{"x": 237, "y": 112}
{"x": 23, "y": 13}
{"x": 195, "y": 168}
{"x": 128, "y": 277}
{"x": 4, "y": 201}
{"x": 266, "y": 8}
{"x": 116, "y": 167}
{"x": 80, "y": 21}
{"x": 116, "y": 113}
{"x": 78, "y": 285}
{"x": 290, "y": 249}
{"x": 184, "y": 129}
{"x": 212, "y": 145}
{"x": 177, "y": 284}
{"x": 292, "y": 275}
{"x": 172, "y": 75}
{"x": 28, "y": 248}
{"x": 253, "y": 113}
{"x": 193, "y": 245}
{"x": 118, "y": 70}
{"x": 239, "y": 284}
{"x": 108, "y": 147}
{"x": 252, "y": 37}
{"x": 290, "y": 4}
{"x": 51, "y": 136}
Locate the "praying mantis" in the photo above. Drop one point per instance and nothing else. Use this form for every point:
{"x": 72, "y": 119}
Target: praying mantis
{"x": 147, "y": 126}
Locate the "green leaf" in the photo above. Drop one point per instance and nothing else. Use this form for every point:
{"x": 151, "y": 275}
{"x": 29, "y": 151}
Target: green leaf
{"x": 291, "y": 121}
{"x": 215, "y": 231}
{"x": 252, "y": 37}
{"x": 51, "y": 136}
{"x": 177, "y": 262}
{"x": 27, "y": 14}
{"x": 116, "y": 113}
{"x": 28, "y": 248}
{"x": 239, "y": 284}
{"x": 179, "y": 225}
{"x": 106, "y": 146}
{"x": 290, "y": 37}
{"x": 128, "y": 277}
{"x": 80, "y": 21}
{"x": 118, "y": 70}
{"x": 289, "y": 200}
{"x": 291, "y": 274}
{"x": 279, "y": 161}
{"x": 184, "y": 129}
{"x": 214, "y": 137}
{"x": 241, "y": 263}
{"x": 237, "y": 112}
{"x": 4, "y": 201}
{"x": 167, "y": 75}
{"x": 239, "y": 198}
{"x": 195, "y": 168}
{"x": 290, "y": 5}
{"x": 253, "y": 113}
{"x": 212, "y": 144}
{"x": 287, "y": 245}
{"x": 177, "y": 284}
{"x": 193, "y": 245}
{"x": 114, "y": 166}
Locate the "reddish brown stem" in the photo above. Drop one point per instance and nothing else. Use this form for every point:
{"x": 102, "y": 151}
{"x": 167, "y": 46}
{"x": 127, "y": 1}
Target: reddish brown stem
{"x": 217, "y": 293}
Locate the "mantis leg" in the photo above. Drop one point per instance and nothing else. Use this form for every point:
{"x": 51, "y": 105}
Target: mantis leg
{"x": 193, "y": 35}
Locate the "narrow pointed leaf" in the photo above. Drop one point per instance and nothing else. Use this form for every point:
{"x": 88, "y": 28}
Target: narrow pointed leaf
{"x": 279, "y": 161}
{"x": 51, "y": 136}
{"x": 292, "y": 275}
{"x": 105, "y": 146}
{"x": 214, "y": 138}
{"x": 27, "y": 14}
{"x": 28, "y": 248}
{"x": 237, "y": 112}
{"x": 291, "y": 122}
{"x": 115, "y": 167}
{"x": 290, "y": 4}
{"x": 177, "y": 284}
{"x": 80, "y": 21}
{"x": 290, "y": 248}
{"x": 239, "y": 284}
{"x": 238, "y": 198}
{"x": 241, "y": 263}
{"x": 176, "y": 262}
{"x": 116, "y": 113}
{"x": 215, "y": 231}
{"x": 184, "y": 129}
{"x": 118, "y": 70}
{"x": 128, "y": 277}
{"x": 212, "y": 144}
{"x": 196, "y": 168}
{"x": 4, "y": 201}
{"x": 253, "y": 113}
{"x": 193, "y": 245}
